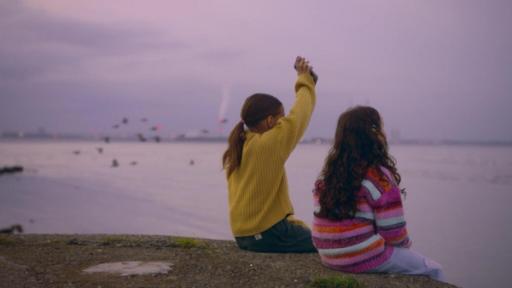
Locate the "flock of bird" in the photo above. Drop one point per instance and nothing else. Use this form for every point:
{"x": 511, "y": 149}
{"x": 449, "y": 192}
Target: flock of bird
{"x": 140, "y": 136}
{"x": 17, "y": 228}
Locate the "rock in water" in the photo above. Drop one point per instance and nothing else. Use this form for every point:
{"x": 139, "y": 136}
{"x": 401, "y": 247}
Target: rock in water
{"x": 11, "y": 169}
{"x": 12, "y": 230}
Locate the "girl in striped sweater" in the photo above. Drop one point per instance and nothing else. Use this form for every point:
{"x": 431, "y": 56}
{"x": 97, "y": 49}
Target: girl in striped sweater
{"x": 359, "y": 224}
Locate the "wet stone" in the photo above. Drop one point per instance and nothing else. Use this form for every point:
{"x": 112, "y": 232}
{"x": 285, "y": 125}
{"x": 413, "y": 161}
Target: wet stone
{"x": 131, "y": 268}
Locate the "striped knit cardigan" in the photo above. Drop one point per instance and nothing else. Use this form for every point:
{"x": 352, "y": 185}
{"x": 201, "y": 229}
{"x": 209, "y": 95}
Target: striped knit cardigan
{"x": 366, "y": 241}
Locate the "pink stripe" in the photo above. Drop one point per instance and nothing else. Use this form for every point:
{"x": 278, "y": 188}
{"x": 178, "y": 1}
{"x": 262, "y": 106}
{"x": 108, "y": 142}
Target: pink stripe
{"x": 366, "y": 265}
{"x": 342, "y": 235}
{"x": 340, "y": 243}
{"x": 388, "y": 174}
{"x": 398, "y": 211}
{"x": 393, "y": 233}
{"x": 387, "y": 199}
{"x": 355, "y": 259}
{"x": 345, "y": 223}
{"x": 364, "y": 207}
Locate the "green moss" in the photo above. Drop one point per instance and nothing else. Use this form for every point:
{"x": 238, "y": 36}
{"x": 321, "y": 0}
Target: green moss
{"x": 112, "y": 241}
{"x": 6, "y": 241}
{"x": 336, "y": 282}
{"x": 177, "y": 242}
{"x": 187, "y": 243}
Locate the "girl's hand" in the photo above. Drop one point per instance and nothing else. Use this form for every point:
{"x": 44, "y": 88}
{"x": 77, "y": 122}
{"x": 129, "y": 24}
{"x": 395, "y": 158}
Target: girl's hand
{"x": 302, "y": 66}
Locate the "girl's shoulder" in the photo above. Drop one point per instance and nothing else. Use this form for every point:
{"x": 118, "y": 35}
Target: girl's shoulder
{"x": 380, "y": 177}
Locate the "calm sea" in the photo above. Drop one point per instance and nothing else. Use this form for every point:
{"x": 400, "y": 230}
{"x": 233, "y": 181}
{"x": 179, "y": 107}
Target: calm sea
{"x": 457, "y": 205}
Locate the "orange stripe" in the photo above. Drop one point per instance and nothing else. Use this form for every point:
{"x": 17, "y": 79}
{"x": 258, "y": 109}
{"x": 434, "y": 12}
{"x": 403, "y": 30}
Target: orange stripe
{"x": 362, "y": 201}
{"x": 400, "y": 237}
{"x": 381, "y": 180}
{"x": 330, "y": 229}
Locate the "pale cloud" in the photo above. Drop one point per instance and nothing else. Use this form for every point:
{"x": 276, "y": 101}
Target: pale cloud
{"x": 435, "y": 69}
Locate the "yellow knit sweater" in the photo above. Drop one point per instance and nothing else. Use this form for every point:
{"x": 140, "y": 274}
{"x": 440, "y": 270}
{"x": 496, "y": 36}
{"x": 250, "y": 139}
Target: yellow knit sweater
{"x": 258, "y": 189}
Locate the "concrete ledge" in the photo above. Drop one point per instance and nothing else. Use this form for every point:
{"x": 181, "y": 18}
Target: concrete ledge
{"x": 59, "y": 261}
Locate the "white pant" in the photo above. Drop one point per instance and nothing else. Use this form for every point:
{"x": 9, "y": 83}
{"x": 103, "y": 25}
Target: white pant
{"x": 407, "y": 261}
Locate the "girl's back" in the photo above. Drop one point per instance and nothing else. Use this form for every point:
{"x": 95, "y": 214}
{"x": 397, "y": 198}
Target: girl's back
{"x": 359, "y": 224}
{"x": 358, "y": 244}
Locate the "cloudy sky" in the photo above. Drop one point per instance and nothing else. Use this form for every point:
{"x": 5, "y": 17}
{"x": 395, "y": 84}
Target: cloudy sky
{"x": 437, "y": 69}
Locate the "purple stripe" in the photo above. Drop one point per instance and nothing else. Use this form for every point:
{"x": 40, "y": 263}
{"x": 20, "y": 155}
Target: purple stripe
{"x": 355, "y": 259}
{"x": 404, "y": 243}
{"x": 393, "y": 233}
{"x": 344, "y": 223}
{"x": 389, "y": 205}
{"x": 391, "y": 227}
{"x": 388, "y": 200}
{"x": 365, "y": 265}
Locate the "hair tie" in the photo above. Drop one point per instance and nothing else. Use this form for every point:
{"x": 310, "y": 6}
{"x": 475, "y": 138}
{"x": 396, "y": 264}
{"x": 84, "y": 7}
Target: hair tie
{"x": 246, "y": 128}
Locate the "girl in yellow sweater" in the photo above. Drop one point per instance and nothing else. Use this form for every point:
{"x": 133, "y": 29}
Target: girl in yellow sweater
{"x": 260, "y": 210}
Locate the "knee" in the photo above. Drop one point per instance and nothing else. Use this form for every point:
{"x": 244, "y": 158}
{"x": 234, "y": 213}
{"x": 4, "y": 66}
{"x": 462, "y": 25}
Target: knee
{"x": 435, "y": 270}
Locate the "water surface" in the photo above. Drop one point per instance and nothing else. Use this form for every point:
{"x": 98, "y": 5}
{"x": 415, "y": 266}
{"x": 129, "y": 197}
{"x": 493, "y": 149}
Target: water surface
{"x": 456, "y": 206}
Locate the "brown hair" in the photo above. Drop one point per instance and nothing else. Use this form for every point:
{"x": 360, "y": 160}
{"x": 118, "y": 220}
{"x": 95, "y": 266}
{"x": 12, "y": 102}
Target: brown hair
{"x": 256, "y": 108}
{"x": 359, "y": 144}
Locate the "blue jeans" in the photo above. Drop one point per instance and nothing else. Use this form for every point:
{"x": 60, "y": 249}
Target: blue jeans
{"x": 407, "y": 261}
{"x": 283, "y": 237}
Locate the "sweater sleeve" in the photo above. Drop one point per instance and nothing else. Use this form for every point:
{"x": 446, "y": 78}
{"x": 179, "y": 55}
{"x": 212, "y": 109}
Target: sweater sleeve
{"x": 384, "y": 198}
{"x": 290, "y": 129}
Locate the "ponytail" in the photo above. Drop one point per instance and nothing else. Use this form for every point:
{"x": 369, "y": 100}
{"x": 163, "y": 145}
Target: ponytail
{"x": 232, "y": 158}
{"x": 256, "y": 108}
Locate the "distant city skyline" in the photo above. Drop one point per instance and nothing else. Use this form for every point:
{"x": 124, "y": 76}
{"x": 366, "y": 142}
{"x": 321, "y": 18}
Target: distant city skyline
{"x": 436, "y": 70}
{"x": 198, "y": 136}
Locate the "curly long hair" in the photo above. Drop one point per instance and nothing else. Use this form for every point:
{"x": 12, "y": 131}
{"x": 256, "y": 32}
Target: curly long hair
{"x": 359, "y": 144}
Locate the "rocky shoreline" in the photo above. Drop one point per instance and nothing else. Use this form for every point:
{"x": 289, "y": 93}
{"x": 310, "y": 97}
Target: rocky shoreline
{"x": 30, "y": 260}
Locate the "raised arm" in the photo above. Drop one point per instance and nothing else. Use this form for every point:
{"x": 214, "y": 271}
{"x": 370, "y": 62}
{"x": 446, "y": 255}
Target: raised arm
{"x": 290, "y": 129}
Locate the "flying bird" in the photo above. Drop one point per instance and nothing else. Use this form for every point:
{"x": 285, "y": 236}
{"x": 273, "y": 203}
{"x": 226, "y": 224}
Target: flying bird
{"x": 141, "y": 137}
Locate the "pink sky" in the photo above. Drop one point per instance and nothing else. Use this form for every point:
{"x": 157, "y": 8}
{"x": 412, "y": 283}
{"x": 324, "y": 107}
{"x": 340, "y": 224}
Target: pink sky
{"x": 435, "y": 69}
